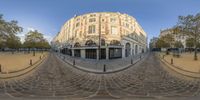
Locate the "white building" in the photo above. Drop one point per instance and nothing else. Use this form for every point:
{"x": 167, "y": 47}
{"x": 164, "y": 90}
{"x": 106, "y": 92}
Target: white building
{"x": 102, "y": 35}
{"x": 152, "y": 43}
{"x": 177, "y": 37}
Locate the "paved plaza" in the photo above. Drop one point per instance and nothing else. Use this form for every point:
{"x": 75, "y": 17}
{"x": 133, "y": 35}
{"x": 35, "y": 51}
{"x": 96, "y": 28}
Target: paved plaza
{"x": 55, "y": 79}
{"x": 185, "y": 61}
{"x": 19, "y": 60}
{"x": 184, "y": 65}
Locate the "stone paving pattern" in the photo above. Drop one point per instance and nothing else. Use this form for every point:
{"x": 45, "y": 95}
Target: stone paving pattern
{"x": 98, "y": 65}
{"x": 57, "y": 80}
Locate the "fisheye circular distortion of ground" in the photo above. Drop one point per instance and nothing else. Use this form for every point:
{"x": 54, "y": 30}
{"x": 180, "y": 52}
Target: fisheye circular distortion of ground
{"x": 98, "y": 54}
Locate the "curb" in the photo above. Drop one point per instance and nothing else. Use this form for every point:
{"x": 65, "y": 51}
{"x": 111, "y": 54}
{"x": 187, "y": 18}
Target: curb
{"x": 179, "y": 70}
{"x": 98, "y": 72}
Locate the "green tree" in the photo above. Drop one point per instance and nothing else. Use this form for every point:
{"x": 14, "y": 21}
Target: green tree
{"x": 34, "y": 40}
{"x": 198, "y": 45}
{"x": 13, "y": 42}
{"x": 162, "y": 44}
{"x": 178, "y": 44}
{"x": 1, "y": 41}
{"x": 190, "y": 42}
{"x": 8, "y": 30}
{"x": 169, "y": 40}
{"x": 189, "y": 25}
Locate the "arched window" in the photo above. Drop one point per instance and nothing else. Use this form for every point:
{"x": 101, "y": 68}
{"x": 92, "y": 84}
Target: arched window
{"x": 77, "y": 44}
{"x": 115, "y": 42}
{"x": 128, "y": 49}
{"x": 90, "y": 43}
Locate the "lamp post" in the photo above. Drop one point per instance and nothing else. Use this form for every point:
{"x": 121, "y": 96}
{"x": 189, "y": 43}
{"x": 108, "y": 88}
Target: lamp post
{"x": 99, "y": 47}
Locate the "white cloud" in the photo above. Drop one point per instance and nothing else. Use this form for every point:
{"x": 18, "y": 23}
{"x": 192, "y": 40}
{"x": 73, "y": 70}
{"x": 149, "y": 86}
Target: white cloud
{"x": 48, "y": 38}
{"x": 22, "y": 37}
{"x": 30, "y": 29}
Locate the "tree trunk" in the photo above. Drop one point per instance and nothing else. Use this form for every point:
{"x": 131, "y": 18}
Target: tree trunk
{"x": 29, "y": 50}
{"x": 195, "y": 54}
{"x": 33, "y": 52}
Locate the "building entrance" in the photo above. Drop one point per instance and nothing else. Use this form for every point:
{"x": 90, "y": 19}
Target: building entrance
{"x": 115, "y": 53}
{"x": 103, "y": 54}
{"x": 91, "y": 53}
{"x": 77, "y": 53}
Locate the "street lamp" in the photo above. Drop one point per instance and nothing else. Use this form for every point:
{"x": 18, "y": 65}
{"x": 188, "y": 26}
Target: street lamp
{"x": 99, "y": 47}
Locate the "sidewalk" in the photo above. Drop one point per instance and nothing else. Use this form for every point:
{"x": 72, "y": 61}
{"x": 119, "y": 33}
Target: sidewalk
{"x": 93, "y": 65}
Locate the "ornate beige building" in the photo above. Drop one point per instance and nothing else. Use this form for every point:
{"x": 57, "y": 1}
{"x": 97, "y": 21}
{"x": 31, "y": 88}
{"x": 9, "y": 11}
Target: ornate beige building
{"x": 177, "y": 37}
{"x": 102, "y": 35}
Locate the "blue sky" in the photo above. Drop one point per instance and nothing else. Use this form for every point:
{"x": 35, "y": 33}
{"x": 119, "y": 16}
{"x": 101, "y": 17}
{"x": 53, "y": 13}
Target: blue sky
{"x": 47, "y": 16}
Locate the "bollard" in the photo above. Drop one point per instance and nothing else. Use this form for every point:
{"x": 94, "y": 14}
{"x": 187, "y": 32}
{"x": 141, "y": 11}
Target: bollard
{"x": 131, "y": 61}
{"x": 31, "y": 62}
{"x": 163, "y": 56}
{"x": 172, "y": 61}
{"x": 104, "y": 68}
{"x": 40, "y": 57}
{"x": 140, "y": 57}
{"x": 0, "y": 68}
{"x": 73, "y": 62}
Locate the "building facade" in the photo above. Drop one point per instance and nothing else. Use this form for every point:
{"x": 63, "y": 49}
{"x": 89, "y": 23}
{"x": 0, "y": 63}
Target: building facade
{"x": 177, "y": 37}
{"x": 152, "y": 43}
{"x": 102, "y": 35}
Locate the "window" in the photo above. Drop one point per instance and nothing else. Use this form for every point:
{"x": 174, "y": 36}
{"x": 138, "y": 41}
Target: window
{"x": 92, "y": 15}
{"x": 91, "y": 29}
{"x": 90, "y": 43}
{"x": 103, "y": 43}
{"x": 77, "y": 19}
{"x": 77, "y": 24}
{"x": 92, "y": 20}
{"x": 84, "y": 17}
{"x": 112, "y": 19}
{"x": 132, "y": 27}
{"x": 127, "y": 25}
{"x": 113, "y": 30}
{"x": 77, "y": 44}
{"x": 115, "y": 42}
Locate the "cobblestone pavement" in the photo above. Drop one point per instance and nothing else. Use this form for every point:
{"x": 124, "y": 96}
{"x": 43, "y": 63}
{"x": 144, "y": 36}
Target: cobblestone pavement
{"x": 94, "y": 65}
{"x": 57, "y": 80}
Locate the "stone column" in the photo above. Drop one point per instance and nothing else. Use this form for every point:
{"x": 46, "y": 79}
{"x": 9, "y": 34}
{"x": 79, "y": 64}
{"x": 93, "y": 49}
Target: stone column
{"x": 133, "y": 49}
{"x": 82, "y": 53}
{"x": 123, "y": 52}
{"x": 72, "y": 52}
{"x": 97, "y": 53}
{"x": 107, "y": 53}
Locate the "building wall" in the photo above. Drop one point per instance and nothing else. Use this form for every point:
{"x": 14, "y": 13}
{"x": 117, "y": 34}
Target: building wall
{"x": 177, "y": 37}
{"x": 110, "y": 25}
